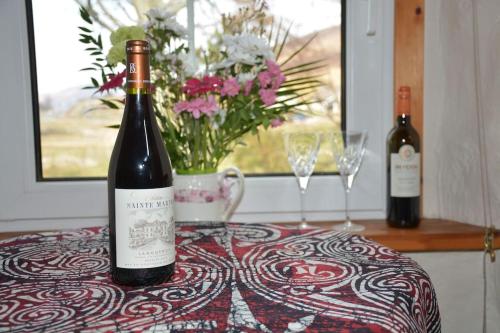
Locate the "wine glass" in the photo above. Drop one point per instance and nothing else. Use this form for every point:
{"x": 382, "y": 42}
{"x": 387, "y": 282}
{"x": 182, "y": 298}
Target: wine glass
{"x": 348, "y": 152}
{"x": 302, "y": 150}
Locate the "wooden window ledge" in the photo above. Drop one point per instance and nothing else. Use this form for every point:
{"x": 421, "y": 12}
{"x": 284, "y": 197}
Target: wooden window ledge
{"x": 431, "y": 235}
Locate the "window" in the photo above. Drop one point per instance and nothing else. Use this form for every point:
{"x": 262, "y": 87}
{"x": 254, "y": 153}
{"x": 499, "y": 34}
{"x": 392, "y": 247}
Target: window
{"x": 369, "y": 106}
{"x": 74, "y": 139}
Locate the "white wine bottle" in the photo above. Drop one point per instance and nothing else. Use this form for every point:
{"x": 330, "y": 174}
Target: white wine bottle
{"x": 140, "y": 192}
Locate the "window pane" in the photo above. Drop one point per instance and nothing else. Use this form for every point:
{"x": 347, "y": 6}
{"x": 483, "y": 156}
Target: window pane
{"x": 74, "y": 134}
{"x": 265, "y": 153}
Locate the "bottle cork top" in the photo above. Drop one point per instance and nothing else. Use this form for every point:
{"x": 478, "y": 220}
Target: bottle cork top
{"x": 404, "y": 92}
{"x": 137, "y": 46}
{"x": 404, "y": 97}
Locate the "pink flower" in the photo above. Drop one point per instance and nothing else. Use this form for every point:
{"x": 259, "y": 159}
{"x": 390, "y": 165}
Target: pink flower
{"x": 115, "y": 81}
{"x": 225, "y": 189}
{"x": 197, "y": 106}
{"x": 272, "y": 77}
{"x": 248, "y": 87}
{"x": 278, "y": 80}
{"x": 268, "y": 96}
{"x": 231, "y": 87}
{"x": 276, "y": 122}
{"x": 265, "y": 79}
{"x": 191, "y": 86}
{"x": 181, "y": 106}
{"x": 206, "y": 84}
{"x": 273, "y": 68}
{"x": 210, "y": 106}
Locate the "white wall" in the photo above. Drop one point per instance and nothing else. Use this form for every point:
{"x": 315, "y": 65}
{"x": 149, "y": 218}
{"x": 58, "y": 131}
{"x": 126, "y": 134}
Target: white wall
{"x": 452, "y": 175}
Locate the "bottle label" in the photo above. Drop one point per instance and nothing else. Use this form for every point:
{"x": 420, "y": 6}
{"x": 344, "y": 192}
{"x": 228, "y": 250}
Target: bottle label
{"x": 145, "y": 228}
{"x": 405, "y": 173}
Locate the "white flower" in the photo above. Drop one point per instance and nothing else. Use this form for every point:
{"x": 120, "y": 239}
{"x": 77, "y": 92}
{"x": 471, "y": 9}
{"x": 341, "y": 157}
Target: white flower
{"x": 190, "y": 63}
{"x": 171, "y": 57}
{"x": 164, "y": 20}
{"x": 159, "y": 14}
{"x": 160, "y": 56}
{"x": 165, "y": 55}
{"x": 244, "y": 77}
{"x": 246, "y": 49}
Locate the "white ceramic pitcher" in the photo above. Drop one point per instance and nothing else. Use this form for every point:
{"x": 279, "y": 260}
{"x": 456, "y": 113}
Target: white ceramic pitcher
{"x": 207, "y": 197}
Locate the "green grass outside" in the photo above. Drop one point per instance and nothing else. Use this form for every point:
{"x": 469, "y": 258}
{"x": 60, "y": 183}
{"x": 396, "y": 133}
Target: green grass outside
{"x": 79, "y": 145}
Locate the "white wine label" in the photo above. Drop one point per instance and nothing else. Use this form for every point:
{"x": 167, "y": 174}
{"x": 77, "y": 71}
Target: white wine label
{"x": 145, "y": 228}
{"x": 405, "y": 173}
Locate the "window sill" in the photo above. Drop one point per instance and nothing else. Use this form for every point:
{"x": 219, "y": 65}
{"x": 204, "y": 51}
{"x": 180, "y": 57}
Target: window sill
{"x": 432, "y": 235}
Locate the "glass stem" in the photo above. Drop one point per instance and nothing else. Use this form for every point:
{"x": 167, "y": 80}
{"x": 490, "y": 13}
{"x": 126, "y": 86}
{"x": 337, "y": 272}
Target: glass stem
{"x": 303, "y": 182}
{"x": 302, "y": 198}
{"x": 347, "y": 217}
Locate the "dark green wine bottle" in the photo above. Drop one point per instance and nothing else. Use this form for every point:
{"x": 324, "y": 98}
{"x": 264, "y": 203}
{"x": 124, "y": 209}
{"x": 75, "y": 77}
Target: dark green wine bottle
{"x": 403, "y": 168}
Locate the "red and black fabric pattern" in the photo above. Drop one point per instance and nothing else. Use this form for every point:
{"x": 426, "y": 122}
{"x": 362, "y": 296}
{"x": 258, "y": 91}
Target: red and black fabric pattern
{"x": 229, "y": 278}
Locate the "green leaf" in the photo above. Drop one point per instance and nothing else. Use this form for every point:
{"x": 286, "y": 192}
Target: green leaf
{"x": 88, "y": 69}
{"x": 93, "y": 40}
{"x": 109, "y": 104}
{"x": 84, "y": 14}
{"x": 299, "y": 50}
{"x": 307, "y": 64}
{"x": 270, "y": 36}
{"x": 103, "y": 76}
{"x": 85, "y": 29}
{"x": 99, "y": 41}
{"x": 266, "y": 122}
{"x": 276, "y": 38}
{"x": 291, "y": 72}
{"x": 285, "y": 38}
{"x": 94, "y": 82}
{"x": 113, "y": 126}
{"x": 96, "y": 53}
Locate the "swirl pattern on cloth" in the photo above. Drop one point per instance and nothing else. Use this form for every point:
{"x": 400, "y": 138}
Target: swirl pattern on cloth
{"x": 229, "y": 277}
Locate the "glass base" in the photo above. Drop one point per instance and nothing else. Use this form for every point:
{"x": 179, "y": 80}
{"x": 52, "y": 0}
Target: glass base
{"x": 303, "y": 225}
{"x": 349, "y": 227}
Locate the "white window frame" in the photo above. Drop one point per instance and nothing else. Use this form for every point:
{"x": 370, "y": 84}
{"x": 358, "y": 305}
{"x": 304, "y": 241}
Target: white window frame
{"x": 26, "y": 204}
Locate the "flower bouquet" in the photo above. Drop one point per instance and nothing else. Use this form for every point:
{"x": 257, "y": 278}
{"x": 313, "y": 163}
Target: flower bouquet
{"x": 244, "y": 82}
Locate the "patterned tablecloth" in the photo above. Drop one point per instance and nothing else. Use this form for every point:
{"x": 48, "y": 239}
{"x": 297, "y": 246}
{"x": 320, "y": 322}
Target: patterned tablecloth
{"x": 229, "y": 277}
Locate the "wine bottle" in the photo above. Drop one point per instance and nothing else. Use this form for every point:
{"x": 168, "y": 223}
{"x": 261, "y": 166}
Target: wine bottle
{"x": 403, "y": 168}
{"x": 140, "y": 192}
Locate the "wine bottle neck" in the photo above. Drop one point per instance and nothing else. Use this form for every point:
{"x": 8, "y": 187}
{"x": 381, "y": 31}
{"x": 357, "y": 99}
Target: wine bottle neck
{"x": 138, "y": 108}
{"x": 403, "y": 120}
{"x": 138, "y": 78}
{"x": 138, "y": 91}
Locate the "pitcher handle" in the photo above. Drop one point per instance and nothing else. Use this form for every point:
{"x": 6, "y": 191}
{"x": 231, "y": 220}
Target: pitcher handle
{"x": 231, "y": 207}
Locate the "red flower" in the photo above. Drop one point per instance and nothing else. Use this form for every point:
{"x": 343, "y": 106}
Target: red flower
{"x": 206, "y": 84}
{"x": 115, "y": 81}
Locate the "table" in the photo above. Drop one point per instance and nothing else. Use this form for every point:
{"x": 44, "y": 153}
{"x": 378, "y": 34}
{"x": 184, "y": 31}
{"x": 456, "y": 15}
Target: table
{"x": 229, "y": 277}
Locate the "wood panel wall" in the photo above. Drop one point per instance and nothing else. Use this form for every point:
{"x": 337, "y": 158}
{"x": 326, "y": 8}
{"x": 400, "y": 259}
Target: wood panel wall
{"x": 409, "y": 54}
